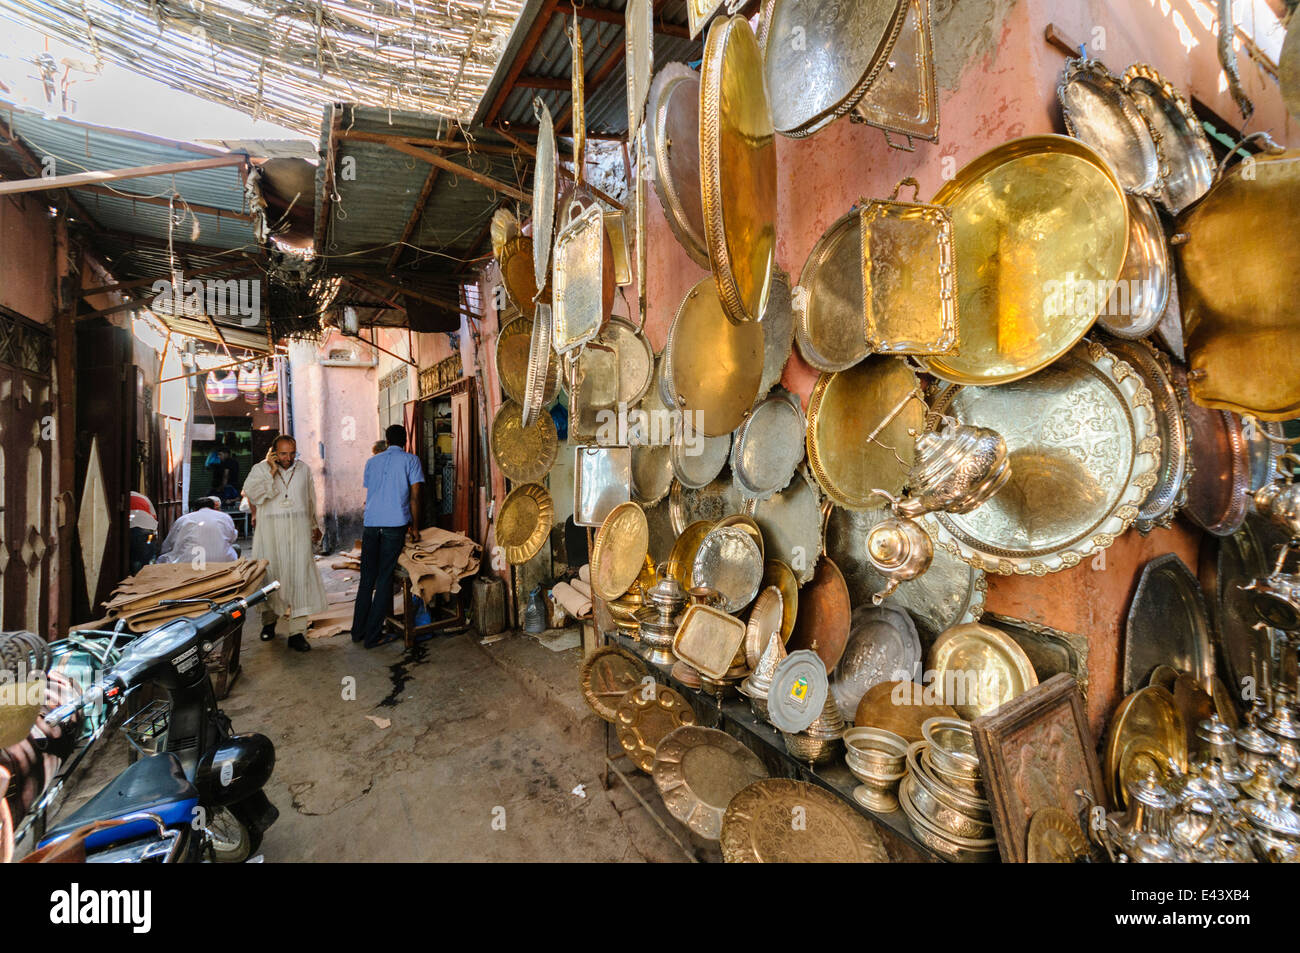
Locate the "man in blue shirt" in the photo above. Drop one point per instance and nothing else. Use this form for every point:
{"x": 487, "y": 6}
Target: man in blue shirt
{"x": 392, "y": 482}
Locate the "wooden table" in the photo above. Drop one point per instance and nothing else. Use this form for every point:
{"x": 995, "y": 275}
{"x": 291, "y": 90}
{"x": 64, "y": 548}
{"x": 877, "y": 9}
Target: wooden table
{"x": 442, "y": 617}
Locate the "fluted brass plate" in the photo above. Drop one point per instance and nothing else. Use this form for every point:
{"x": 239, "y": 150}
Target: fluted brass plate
{"x": 757, "y": 827}
{"x": 714, "y": 365}
{"x": 1084, "y": 447}
{"x": 606, "y": 676}
{"x": 720, "y": 498}
{"x": 737, "y": 170}
{"x": 1029, "y": 217}
{"x": 1054, "y": 837}
{"x": 673, "y": 126}
{"x": 828, "y": 320}
{"x": 524, "y": 522}
{"x": 645, "y": 715}
{"x": 900, "y": 707}
{"x": 516, "y": 261}
{"x": 765, "y": 618}
{"x": 513, "y": 342}
{"x": 524, "y": 454}
{"x": 778, "y": 574}
{"x": 619, "y": 553}
{"x": 844, "y": 412}
{"x": 1146, "y": 733}
{"x": 820, "y": 56}
{"x": 682, "y": 558}
{"x": 698, "y": 771}
{"x": 985, "y": 665}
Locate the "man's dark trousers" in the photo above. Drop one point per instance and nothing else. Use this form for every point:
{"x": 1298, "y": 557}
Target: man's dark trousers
{"x": 380, "y": 547}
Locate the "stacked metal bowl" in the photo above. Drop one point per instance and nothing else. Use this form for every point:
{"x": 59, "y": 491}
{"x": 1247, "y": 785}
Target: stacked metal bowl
{"x": 942, "y": 793}
{"x": 877, "y": 758}
{"x": 820, "y": 741}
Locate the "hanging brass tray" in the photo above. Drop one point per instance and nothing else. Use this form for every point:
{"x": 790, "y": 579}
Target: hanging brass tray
{"x": 768, "y": 446}
{"x": 820, "y": 56}
{"x": 638, "y": 43}
{"x": 652, "y": 474}
{"x": 858, "y": 424}
{"x": 791, "y": 525}
{"x": 729, "y": 561}
{"x": 1289, "y": 72}
{"x": 778, "y": 332}
{"x": 1146, "y": 734}
{"x": 619, "y": 553}
{"x": 1085, "y": 446}
{"x": 524, "y": 522}
{"x": 1140, "y": 299}
{"x": 1238, "y": 280}
{"x": 698, "y": 771}
{"x": 1167, "y": 624}
{"x": 1216, "y": 490}
{"x": 984, "y": 666}
{"x": 673, "y": 127}
{"x": 513, "y": 342}
{"x": 682, "y": 558}
{"x": 909, "y": 295}
{"x": 904, "y": 99}
{"x": 699, "y": 12}
{"x": 1099, "y": 111}
{"x": 949, "y": 592}
{"x": 737, "y": 169}
{"x": 825, "y": 615}
{"x": 645, "y": 715}
{"x": 756, "y": 827}
{"x": 516, "y": 262}
{"x": 696, "y": 465}
{"x": 708, "y": 640}
{"x": 591, "y": 381}
{"x": 542, "y": 377}
{"x": 524, "y": 454}
{"x": 543, "y": 196}
{"x": 828, "y": 314}
{"x": 1189, "y": 161}
{"x": 1032, "y": 219}
{"x": 650, "y": 433}
{"x": 607, "y": 675}
{"x": 602, "y": 480}
{"x": 712, "y": 365}
{"x": 633, "y": 361}
{"x": 780, "y": 576}
{"x": 577, "y": 296}
{"x": 616, "y": 233}
{"x": 720, "y": 498}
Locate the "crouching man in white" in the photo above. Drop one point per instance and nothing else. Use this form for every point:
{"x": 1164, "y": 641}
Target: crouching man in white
{"x": 205, "y": 534}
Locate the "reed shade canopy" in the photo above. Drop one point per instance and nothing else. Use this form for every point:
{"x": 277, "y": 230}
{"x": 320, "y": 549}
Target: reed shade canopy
{"x": 286, "y": 62}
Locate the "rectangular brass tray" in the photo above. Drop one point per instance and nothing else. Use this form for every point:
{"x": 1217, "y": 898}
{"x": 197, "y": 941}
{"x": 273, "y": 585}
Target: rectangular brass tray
{"x": 602, "y": 479}
{"x": 708, "y": 639}
{"x": 577, "y": 281}
{"x": 903, "y": 99}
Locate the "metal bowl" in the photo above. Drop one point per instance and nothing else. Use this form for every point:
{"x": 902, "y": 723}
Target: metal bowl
{"x": 804, "y": 747}
{"x": 874, "y": 753}
{"x": 952, "y": 747}
{"x": 943, "y": 786}
{"x": 950, "y": 846}
{"x": 956, "y": 782}
{"x": 946, "y": 818}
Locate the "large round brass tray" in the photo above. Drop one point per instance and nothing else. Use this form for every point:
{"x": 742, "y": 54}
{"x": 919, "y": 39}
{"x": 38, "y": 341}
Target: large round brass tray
{"x": 524, "y": 454}
{"x": 1172, "y": 474}
{"x": 1139, "y": 301}
{"x": 900, "y": 707}
{"x": 768, "y": 446}
{"x": 619, "y": 553}
{"x": 524, "y": 522}
{"x": 778, "y": 574}
{"x": 1084, "y": 447}
{"x": 682, "y": 558}
{"x": 516, "y": 261}
{"x": 824, "y": 615}
{"x": 1033, "y": 219}
{"x": 673, "y": 124}
{"x": 757, "y": 827}
{"x": 949, "y": 592}
{"x": 737, "y": 169}
{"x": 829, "y": 326}
{"x": 821, "y": 56}
{"x": 1146, "y": 735}
{"x": 645, "y": 715}
{"x": 778, "y": 332}
{"x": 791, "y": 525}
{"x": 1216, "y": 491}
{"x": 858, "y": 423}
{"x": 720, "y": 498}
{"x": 607, "y": 675}
{"x": 712, "y": 366}
{"x": 543, "y": 196}
{"x": 982, "y": 666}
{"x": 698, "y": 771}
{"x": 1189, "y": 161}
{"x": 513, "y": 343}
{"x": 1098, "y": 111}
{"x": 729, "y": 561}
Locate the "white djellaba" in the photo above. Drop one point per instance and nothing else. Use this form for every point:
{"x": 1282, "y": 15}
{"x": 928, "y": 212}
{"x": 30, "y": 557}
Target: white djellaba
{"x": 286, "y": 516}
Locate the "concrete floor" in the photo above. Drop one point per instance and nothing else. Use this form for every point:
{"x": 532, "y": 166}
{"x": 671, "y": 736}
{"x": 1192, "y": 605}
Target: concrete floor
{"x": 484, "y": 748}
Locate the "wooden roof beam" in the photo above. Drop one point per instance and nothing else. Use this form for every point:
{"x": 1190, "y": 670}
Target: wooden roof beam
{"x": 525, "y": 53}
{"x": 77, "y": 179}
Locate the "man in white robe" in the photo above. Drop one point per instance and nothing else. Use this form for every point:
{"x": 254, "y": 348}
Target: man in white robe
{"x": 205, "y": 533}
{"x": 282, "y": 501}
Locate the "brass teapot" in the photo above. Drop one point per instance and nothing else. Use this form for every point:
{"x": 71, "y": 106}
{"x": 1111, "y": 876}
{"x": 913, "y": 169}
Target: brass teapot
{"x": 898, "y": 548}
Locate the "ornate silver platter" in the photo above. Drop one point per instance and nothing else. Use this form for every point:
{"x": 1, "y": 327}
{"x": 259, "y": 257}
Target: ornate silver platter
{"x": 602, "y": 478}
{"x": 1261, "y": 452}
{"x": 883, "y": 646}
{"x": 1171, "y": 476}
{"x": 699, "y": 770}
{"x": 697, "y": 461}
{"x": 635, "y": 359}
{"x": 1099, "y": 112}
{"x": 652, "y": 474}
{"x": 673, "y": 126}
{"x": 1140, "y": 298}
{"x": 543, "y": 193}
{"x": 791, "y": 525}
{"x": 798, "y": 692}
{"x": 1189, "y": 170}
{"x": 577, "y": 285}
{"x": 778, "y": 332}
{"x": 1167, "y": 624}
{"x": 1085, "y": 447}
{"x": 904, "y": 98}
{"x": 713, "y": 502}
{"x": 820, "y": 56}
{"x": 768, "y": 446}
{"x": 950, "y": 592}
{"x": 828, "y": 314}
{"x": 729, "y": 561}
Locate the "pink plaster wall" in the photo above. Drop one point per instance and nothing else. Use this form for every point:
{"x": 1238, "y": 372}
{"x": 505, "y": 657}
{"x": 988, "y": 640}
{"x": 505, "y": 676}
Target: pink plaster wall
{"x": 27, "y": 258}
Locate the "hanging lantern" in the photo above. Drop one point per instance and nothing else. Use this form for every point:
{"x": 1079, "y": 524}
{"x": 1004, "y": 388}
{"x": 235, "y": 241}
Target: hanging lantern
{"x": 221, "y": 390}
{"x": 270, "y": 377}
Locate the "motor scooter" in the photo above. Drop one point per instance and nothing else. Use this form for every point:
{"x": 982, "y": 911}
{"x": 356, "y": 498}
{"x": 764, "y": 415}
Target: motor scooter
{"x": 201, "y": 797}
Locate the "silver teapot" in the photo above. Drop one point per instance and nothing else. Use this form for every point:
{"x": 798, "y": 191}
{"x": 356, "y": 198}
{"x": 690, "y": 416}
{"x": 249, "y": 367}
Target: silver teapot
{"x": 955, "y": 470}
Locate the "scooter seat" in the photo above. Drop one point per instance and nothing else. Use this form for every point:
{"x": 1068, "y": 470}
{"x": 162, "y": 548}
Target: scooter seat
{"x": 156, "y": 784}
